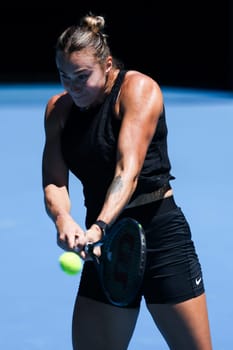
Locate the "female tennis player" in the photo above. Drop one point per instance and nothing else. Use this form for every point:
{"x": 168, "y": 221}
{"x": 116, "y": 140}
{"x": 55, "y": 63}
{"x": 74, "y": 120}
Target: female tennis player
{"x": 109, "y": 129}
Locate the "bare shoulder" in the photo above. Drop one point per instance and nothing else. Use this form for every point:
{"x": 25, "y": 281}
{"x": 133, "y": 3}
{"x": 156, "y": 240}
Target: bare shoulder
{"x": 141, "y": 81}
{"x": 138, "y": 88}
{"x": 58, "y": 107}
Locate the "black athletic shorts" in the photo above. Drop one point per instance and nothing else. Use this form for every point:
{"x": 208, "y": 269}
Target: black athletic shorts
{"x": 173, "y": 272}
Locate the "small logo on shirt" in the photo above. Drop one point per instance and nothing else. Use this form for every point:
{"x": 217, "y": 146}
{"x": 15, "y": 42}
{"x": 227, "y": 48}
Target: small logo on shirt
{"x": 198, "y": 281}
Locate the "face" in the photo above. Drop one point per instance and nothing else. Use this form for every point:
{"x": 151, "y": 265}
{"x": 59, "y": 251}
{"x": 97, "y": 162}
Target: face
{"x": 83, "y": 77}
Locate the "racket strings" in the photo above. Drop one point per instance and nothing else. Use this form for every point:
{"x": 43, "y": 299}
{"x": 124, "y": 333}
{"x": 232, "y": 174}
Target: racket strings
{"x": 125, "y": 253}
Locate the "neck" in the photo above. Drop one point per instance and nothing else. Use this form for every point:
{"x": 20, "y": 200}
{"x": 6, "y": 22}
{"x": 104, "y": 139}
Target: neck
{"x": 110, "y": 80}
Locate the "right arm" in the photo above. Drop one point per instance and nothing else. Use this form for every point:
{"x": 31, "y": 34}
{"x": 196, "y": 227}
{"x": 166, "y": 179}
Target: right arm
{"x": 55, "y": 174}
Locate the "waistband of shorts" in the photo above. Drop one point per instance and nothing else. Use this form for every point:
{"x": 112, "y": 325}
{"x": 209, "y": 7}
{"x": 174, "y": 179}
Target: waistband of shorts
{"x": 146, "y": 198}
{"x": 159, "y": 207}
{"x": 164, "y": 205}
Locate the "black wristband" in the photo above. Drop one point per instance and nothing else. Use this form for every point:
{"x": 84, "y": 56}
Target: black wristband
{"x": 102, "y": 225}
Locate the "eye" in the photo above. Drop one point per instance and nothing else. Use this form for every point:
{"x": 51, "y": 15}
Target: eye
{"x": 83, "y": 77}
{"x": 79, "y": 79}
{"x": 64, "y": 77}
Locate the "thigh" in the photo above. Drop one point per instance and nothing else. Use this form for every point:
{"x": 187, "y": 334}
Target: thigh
{"x": 97, "y": 325}
{"x": 184, "y": 325}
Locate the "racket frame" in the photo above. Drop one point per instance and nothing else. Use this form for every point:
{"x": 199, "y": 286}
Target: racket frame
{"x": 113, "y": 231}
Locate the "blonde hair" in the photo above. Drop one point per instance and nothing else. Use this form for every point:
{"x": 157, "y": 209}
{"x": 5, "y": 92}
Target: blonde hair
{"x": 88, "y": 34}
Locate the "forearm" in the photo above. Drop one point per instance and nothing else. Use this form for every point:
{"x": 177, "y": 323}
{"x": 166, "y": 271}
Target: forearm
{"x": 118, "y": 196}
{"x": 57, "y": 201}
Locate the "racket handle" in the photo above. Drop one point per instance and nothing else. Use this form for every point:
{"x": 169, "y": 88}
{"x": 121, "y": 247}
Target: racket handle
{"x": 88, "y": 249}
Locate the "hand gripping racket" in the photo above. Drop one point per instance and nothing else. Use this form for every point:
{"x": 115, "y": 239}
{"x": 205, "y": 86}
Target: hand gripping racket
{"x": 122, "y": 261}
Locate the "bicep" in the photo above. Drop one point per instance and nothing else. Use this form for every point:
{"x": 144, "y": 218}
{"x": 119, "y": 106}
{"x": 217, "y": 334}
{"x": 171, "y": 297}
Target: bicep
{"x": 139, "y": 122}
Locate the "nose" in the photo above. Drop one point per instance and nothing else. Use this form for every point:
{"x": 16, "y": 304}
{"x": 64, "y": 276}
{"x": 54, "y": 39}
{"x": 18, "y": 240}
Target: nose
{"x": 74, "y": 86}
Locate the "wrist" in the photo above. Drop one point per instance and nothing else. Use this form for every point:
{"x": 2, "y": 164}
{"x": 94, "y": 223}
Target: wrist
{"x": 102, "y": 226}
{"x": 61, "y": 215}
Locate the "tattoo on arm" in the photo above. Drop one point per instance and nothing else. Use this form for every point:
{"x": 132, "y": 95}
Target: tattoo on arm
{"x": 116, "y": 185}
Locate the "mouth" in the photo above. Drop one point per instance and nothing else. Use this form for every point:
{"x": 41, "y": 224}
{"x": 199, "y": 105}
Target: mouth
{"x": 80, "y": 101}
{"x": 77, "y": 98}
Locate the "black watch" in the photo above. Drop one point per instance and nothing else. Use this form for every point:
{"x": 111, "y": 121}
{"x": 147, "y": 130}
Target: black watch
{"x": 102, "y": 225}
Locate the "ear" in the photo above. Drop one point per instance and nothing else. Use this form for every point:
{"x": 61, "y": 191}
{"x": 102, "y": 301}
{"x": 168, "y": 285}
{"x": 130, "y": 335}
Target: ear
{"x": 108, "y": 64}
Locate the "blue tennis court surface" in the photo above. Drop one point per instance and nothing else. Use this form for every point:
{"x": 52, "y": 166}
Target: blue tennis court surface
{"x": 36, "y": 298}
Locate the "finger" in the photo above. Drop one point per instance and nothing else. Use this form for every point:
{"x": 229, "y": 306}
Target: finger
{"x": 97, "y": 251}
{"x": 62, "y": 244}
{"x": 77, "y": 249}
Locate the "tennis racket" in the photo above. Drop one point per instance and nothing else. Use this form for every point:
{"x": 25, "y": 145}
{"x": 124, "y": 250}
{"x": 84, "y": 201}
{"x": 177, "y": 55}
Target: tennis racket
{"x": 122, "y": 261}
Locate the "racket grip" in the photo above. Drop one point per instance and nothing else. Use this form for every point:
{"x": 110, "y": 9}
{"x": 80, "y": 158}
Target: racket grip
{"x": 88, "y": 249}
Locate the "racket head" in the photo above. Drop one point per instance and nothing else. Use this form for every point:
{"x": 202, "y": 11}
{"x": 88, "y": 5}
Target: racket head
{"x": 123, "y": 261}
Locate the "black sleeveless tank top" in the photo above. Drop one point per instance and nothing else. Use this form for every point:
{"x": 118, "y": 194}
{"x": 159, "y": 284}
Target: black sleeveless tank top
{"x": 89, "y": 141}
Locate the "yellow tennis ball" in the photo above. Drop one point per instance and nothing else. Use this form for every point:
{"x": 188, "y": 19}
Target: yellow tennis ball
{"x": 70, "y": 263}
